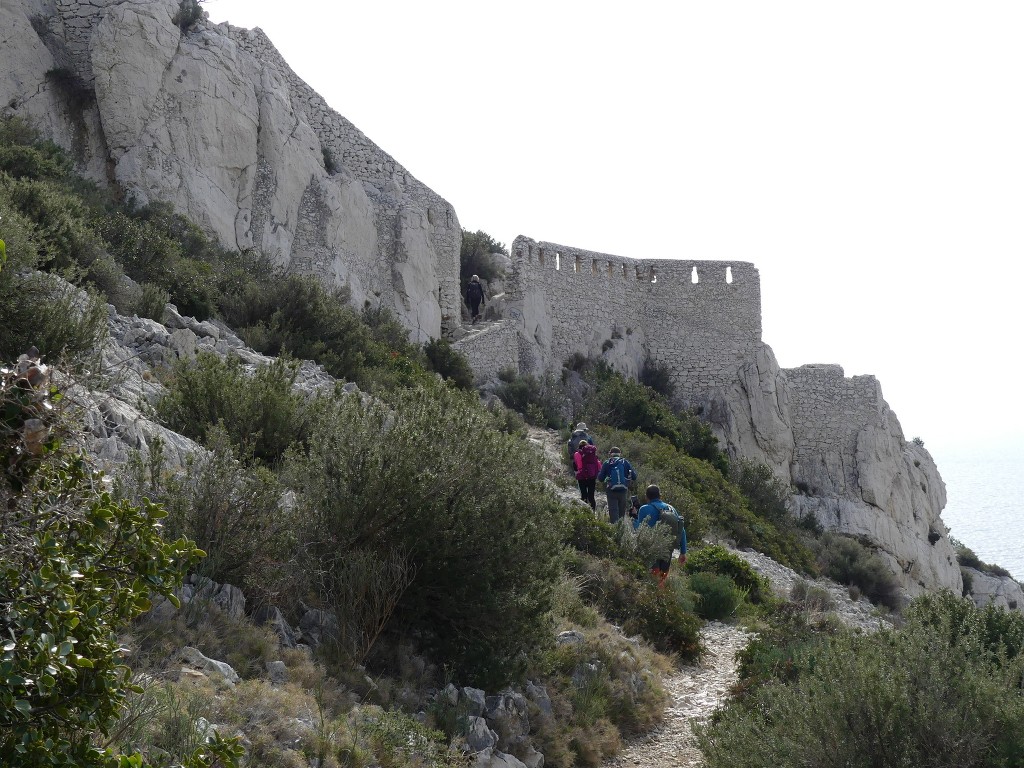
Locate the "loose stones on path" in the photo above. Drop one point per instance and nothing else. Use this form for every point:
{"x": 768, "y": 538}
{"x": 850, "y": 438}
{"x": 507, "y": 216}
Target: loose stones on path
{"x": 695, "y": 692}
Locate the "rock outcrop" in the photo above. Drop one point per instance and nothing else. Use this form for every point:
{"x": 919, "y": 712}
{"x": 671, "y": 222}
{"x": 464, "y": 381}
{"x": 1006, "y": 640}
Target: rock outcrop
{"x": 213, "y": 121}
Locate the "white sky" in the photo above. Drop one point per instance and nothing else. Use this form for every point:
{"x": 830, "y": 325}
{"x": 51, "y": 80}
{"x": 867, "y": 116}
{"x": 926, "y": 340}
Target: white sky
{"x": 868, "y": 157}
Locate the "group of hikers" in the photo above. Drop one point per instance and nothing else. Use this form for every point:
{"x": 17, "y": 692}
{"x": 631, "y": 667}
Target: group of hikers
{"x": 617, "y": 474}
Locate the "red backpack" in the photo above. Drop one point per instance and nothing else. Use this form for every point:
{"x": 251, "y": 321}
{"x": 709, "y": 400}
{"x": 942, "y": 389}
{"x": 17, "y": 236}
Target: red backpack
{"x": 591, "y": 464}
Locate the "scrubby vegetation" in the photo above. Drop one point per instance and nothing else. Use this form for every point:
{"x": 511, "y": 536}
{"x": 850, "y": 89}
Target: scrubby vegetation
{"x": 944, "y": 689}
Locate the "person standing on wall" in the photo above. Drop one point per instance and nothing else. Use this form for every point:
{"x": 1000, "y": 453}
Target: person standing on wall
{"x": 588, "y": 466}
{"x": 475, "y": 296}
{"x": 616, "y": 474}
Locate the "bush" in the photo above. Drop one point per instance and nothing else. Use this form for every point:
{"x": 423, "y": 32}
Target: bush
{"x": 966, "y": 558}
{"x": 427, "y": 478}
{"x": 847, "y": 561}
{"x": 233, "y": 512}
{"x": 536, "y": 399}
{"x": 932, "y": 693}
{"x": 77, "y": 567}
{"x": 602, "y": 689}
{"x": 628, "y": 405}
{"x": 261, "y": 413}
{"x": 717, "y": 595}
{"x": 718, "y": 560}
{"x": 625, "y": 593}
{"x": 443, "y": 359}
{"x": 475, "y": 259}
{"x": 63, "y": 322}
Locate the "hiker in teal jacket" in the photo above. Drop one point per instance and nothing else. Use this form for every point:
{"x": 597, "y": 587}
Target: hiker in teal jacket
{"x": 651, "y": 514}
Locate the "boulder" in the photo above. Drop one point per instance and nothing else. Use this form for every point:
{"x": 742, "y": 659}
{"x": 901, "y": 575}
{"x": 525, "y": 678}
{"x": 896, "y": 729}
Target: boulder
{"x": 211, "y": 667}
{"x": 478, "y": 736}
{"x": 271, "y": 615}
{"x": 992, "y": 589}
{"x": 319, "y": 627}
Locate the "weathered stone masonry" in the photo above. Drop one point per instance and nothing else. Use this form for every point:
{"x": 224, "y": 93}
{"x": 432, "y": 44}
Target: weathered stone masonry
{"x": 570, "y": 300}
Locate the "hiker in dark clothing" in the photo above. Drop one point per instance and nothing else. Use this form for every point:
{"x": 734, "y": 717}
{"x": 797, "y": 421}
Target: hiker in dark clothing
{"x": 579, "y": 433}
{"x": 475, "y": 296}
{"x": 587, "y": 468}
{"x": 616, "y": 474}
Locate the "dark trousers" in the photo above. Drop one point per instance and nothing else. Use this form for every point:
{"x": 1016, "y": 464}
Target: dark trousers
{"x": 475, "y": 307}
{"x": 618, "y": 504}
{"x": 587, "y": 491}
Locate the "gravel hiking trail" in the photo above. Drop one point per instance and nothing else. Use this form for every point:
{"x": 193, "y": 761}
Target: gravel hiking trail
{"x": 695, "y": 692}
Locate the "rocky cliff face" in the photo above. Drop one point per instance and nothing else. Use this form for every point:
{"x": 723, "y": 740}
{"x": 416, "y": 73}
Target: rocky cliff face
{"x": 215, "y": 122}
{"x": 837, "y": 441}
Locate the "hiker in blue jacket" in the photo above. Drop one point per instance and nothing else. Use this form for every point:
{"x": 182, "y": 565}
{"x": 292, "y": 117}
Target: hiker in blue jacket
{"x": 616, "y": 474}
{"x": 657, "y": 511}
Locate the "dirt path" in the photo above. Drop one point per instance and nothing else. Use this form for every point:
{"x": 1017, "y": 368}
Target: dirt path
{"x": 695, "y": 692}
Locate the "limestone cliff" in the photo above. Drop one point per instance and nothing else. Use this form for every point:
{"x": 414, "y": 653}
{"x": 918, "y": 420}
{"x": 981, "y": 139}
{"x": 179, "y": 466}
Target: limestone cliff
{"x": 214, "y": 121}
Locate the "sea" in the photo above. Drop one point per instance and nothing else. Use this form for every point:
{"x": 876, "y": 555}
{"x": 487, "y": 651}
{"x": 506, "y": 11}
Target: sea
{"x": 985, "y": 499}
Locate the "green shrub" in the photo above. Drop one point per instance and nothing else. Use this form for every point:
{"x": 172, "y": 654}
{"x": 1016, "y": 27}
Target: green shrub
{"x": 966, "y": 558}
{"x": 189, "y": 14}
{"x": 261, "y": 413}
{"x": 232, "y": 511}
{"x": 535, "y": 398}
{"x": 475, "y": 259}
{"x": 932, "y": 693}
{"x": 77, "y": 567}
{"x": 847, "y": 561}
{"x": 718, "y": 597}
{"x": 658, "y": 377}
{"x": 61, "y": 321}
{"x": 443, "y": 359}
{"x": 466, "y": 506}
{"x": 766, "y": 495}
{"x": 625, "y": 593}
{"x": 602, "y": 689}
{"x": 584, "y": 532}
{"x": 628, "y": 405}
{"x": 718, "y": 560}
{"x": 152, "y": 302}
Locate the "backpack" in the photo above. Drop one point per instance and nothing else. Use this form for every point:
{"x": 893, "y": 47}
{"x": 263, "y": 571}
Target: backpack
{"x": 616, "y": 479}
{"x": 591, "y": 464}
{"x": 668, "y": 515}
{"x": 475, "y": 292}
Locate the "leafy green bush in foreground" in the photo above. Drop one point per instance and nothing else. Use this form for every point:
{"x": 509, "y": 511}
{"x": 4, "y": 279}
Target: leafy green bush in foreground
{"x": 76, "y": 567}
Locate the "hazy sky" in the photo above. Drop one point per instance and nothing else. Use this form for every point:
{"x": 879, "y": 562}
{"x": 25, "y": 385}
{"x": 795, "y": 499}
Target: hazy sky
{"x": 868, "y": 157}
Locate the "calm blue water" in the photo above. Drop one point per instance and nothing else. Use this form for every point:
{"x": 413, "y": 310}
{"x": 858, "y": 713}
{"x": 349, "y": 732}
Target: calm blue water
{"x": 985, "y": 500}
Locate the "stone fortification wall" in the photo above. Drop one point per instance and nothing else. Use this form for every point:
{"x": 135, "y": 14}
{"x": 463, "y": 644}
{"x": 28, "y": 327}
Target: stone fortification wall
{"x": 828, "y": 410}
{"x": 491, "y": 350}
{"x": 700, "y": 319}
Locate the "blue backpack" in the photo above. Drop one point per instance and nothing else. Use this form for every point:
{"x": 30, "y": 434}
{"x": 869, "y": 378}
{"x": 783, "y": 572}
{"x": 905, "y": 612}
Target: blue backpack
{"x": 617, "y": 479}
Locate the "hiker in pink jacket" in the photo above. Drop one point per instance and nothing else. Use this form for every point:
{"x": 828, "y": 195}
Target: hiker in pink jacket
{"x": 588, "y": 466}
